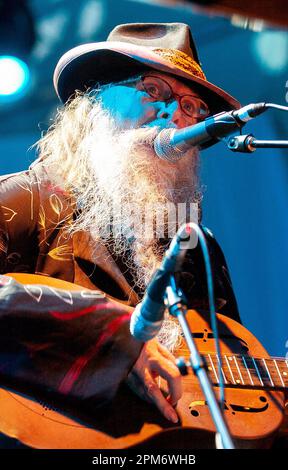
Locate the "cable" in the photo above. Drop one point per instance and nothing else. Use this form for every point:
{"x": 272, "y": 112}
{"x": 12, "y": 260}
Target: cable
{"x": 210, "y": 288}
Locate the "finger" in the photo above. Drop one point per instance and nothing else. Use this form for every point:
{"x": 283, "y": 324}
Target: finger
{"x": 166, "y": 353}
{"x": 155, "y": 395}
{"x": 169, "y": 371}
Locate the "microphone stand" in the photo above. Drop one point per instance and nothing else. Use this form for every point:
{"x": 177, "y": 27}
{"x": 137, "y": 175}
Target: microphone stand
{"x": 177, "y": 308}
{"x": 248, "y": 144}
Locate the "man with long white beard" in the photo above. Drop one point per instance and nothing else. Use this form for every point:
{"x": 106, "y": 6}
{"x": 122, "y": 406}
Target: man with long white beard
{"x": 78, "y": 215}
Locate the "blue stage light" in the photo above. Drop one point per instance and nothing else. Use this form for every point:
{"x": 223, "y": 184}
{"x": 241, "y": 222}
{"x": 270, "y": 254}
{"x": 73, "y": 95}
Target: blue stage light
{"x": 271, "y": 49}
{"x": 14, "y": 77}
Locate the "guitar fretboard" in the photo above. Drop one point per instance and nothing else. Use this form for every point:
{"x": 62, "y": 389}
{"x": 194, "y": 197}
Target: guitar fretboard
{"x": 247, "y": 371}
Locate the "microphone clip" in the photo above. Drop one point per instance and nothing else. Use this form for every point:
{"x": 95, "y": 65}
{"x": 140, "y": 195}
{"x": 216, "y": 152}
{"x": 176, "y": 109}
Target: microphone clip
{"x": 241, "y": 143}
{"x": 174, "y": 298}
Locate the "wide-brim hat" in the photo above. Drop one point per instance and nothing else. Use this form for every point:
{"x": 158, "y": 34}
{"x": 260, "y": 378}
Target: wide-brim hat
{"x": 133, "y": 48}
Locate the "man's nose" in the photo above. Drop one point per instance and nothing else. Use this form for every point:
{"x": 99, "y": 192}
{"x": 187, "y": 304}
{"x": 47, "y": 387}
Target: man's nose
{"x": 170, "y": 111}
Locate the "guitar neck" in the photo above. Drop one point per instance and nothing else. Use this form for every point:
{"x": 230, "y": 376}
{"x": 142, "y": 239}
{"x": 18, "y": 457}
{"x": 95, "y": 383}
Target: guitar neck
{"x": 244, "y": 371}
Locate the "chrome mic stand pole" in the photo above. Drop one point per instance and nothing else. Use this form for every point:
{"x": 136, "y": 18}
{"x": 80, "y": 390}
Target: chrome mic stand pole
{"x": 178, "y": 309}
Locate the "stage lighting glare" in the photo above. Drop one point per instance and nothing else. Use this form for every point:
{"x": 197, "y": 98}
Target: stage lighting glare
{"x": 271, "y": 48}
{"x": 14, "y": 76}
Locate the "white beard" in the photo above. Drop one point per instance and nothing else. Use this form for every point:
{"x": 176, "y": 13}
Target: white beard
{"x": 128, "y": 189}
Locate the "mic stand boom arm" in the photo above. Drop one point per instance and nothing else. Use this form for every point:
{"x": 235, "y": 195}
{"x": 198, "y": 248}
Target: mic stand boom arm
{"x": 248, "y": 144}
{"x": 177, "y": 308}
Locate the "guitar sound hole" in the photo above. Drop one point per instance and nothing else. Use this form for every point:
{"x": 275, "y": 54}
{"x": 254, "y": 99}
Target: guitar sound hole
{"x": 195, "y": 413}
{"x": 264, "y": 399}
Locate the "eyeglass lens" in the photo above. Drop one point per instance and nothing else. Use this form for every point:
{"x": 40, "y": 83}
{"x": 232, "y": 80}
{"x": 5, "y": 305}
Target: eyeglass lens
{"x": 160, "y": 90}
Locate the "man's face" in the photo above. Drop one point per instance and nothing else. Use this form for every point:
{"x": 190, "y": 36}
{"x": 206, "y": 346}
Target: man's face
{"x": 157, "y": 99}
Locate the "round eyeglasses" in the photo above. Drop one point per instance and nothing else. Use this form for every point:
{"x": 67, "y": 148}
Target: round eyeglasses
{"x": 160, "y": 90}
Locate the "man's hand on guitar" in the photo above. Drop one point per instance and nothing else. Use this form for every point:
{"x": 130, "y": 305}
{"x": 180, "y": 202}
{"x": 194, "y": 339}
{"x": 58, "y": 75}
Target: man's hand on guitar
{"x": 154, "y": 361}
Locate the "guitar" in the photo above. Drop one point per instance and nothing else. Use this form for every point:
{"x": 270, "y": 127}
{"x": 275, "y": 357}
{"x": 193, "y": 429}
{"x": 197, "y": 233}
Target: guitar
{"x": 254, "y": 399}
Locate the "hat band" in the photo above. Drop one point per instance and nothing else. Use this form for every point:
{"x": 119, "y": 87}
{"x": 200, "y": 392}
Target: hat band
{"x": 182, "y": 61}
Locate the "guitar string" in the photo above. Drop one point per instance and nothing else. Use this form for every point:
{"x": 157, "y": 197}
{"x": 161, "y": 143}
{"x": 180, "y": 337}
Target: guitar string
{"x": 234, "y": 371}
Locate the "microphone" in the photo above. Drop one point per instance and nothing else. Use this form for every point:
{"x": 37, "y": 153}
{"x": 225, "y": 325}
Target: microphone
{"x": 170, "y": 144}
{"x": 148, "y": 315}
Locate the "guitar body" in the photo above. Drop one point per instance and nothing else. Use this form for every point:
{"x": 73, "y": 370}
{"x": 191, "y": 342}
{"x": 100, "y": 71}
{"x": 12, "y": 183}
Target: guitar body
{"x": 253, "y": 414}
